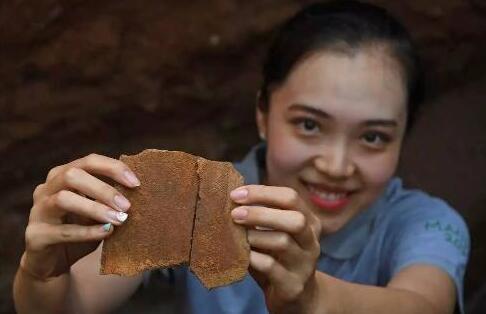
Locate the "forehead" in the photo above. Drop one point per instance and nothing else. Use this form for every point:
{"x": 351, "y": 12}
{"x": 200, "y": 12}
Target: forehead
{"x": 365, "y": 84}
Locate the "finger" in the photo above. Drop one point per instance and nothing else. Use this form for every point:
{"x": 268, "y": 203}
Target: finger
{"x": 283, "y": 220}
{"x": 81, "y": 181}
{"x": 40, "y": 235}
{"x": 64, "y": 202}
{"x": 267, "y": 265}
{"x": 101, "y": 165}
{"x": 279, "y": 245}
{"x": 286, "y": 284}
{"x": 54, "y": 171}
{"x": 288, "y": 221}
{"x": 38, "y": 192}
{"x": 272, "y": 196}
{"x": 282, "y": 246}
{"x": 278, "y": 197}
{"x": 273, "y": 241}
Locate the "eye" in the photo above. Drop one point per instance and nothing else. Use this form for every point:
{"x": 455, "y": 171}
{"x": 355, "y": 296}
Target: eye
{"x": 306, "y": 125}
{"x": 309, "y": 125}
{"x": 376, "y": 139}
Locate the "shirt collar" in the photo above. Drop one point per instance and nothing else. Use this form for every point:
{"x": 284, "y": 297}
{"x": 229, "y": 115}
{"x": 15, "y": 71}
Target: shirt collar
{"x": 348, "y": 241}
{"x": 351, "y": 239}
{"x": 253, "y": 164}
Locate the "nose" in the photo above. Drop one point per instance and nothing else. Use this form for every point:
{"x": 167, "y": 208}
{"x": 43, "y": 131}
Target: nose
{"x": 335, "y": 162}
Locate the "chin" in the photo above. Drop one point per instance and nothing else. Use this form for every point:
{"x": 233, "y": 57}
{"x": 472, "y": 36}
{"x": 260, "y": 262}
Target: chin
{"x": 333, "y": 221}
{"x": 331, "y": 225}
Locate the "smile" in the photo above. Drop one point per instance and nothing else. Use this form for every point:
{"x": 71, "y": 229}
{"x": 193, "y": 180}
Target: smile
{"x": 330, "y": 201}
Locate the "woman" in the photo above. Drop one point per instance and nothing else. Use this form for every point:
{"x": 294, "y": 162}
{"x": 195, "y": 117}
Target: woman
{"x": 341, "y": 235}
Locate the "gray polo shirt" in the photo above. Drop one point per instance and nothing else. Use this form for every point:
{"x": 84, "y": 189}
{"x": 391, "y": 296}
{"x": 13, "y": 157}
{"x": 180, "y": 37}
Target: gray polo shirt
{"x": 403, "y": 227}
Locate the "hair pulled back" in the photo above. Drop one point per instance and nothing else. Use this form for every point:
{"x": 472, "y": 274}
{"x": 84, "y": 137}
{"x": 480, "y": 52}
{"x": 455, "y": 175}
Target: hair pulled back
{"x": 342, "y": 26}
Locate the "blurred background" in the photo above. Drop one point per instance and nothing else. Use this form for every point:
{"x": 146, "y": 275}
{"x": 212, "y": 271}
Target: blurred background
{"x": 119, "y": 76}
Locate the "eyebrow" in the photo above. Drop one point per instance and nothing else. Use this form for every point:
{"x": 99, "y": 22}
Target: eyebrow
{"x": 325, "y": 115}
{"x": 381, "y": 122}
{"x": 310, "y": 109}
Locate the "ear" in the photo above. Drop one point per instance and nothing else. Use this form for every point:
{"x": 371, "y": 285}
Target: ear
{"x": 261, "y": 118}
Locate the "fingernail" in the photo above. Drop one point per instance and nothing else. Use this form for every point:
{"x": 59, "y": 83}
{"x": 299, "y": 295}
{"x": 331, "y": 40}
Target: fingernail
{"x": 117, "y": 216}
{"x": 263, "y": 228}
{"x": 106, "y": 227}
{"x": 121, "y": 216}
{"x": 122, "y": 202}
{"x": 239, "y": 194}
{"x": 132, "y": 178}
{"x": 239, "y": 213}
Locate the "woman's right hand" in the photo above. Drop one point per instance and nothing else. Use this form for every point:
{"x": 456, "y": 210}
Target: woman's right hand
{"x": 71, "y": 211}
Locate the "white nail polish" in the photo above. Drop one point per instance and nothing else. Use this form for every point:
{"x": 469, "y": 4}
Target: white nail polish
{"x": 263, "y": 228}
{"x": 121, "y": 216}
{"x": 106, "y": 227}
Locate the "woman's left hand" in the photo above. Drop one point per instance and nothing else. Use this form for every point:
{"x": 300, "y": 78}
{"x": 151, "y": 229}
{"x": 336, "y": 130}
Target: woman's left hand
{"x": 284, "y": 237}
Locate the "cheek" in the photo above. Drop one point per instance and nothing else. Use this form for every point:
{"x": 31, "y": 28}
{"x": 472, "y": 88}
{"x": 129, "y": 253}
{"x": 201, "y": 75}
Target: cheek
{"x": 377, "y": 172}
{"x": 285, "y": 157}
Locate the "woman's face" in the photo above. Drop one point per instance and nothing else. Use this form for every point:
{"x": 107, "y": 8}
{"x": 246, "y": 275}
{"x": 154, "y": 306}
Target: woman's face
{"x": 334, "y": 131}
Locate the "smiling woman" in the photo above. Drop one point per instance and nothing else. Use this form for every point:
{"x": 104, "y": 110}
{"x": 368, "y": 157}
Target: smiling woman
{"x": 334, "y": 131}
{"x": 331, "y": 229}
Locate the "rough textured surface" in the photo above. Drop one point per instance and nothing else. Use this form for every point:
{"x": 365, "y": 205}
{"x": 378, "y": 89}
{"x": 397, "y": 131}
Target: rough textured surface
{"x": 159, "y": 229}
{"x": 220, "y": 249}
{"x": 119, "y": 76}
{"x": 180, "y": 214}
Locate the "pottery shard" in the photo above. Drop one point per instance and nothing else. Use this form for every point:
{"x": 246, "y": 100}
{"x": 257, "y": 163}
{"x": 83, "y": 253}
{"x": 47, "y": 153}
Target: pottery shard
{"x": 220, "y": 251}
{"x": 179, "y": 215}
{"x": 158, "y": 230}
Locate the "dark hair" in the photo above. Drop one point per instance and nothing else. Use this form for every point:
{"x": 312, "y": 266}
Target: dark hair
{"x": 344, "y": 26}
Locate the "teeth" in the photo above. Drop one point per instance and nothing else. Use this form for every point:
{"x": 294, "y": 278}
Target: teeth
{"x": 327, "y": 195}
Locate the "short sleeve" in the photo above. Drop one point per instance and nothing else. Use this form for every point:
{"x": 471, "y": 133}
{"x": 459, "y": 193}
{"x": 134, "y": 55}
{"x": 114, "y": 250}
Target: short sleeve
{"x": 431, "y": 233}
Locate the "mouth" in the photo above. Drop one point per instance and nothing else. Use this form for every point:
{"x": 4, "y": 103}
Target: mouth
{"x": 329, "y": 199}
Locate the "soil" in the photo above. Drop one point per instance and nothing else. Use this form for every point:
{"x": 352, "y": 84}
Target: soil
{"x": 116, "y": 77}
